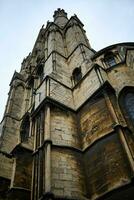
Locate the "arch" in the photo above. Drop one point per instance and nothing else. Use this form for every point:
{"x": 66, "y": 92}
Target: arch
{"x": 66, "y": 28}
{"x": 50, "y": 40}
{"x": 47, "y": 34}
{"x": 109, "y": 59}
{"x": 59, "y": 45}
{"x": 55, "y": 29}
{"x": 40, "y": 72}
{"x": 70, "y": 33}
{"x": 71, "y": 23}
{"x": 77, "y": 75}
{"x": 55, "y": 41}
{"x": 58, "y": 31}
{"x": 30, "y": 82}
{"x": 24, "y": 128}
{"x": 19, "y": 85}
{"x": 126, "y": 103}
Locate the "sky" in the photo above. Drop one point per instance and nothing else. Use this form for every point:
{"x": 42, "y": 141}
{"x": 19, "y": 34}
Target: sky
{"x": 106, "y": 22}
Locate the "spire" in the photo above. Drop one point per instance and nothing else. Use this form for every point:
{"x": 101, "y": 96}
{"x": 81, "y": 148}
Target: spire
{"x": 60, "y": 17}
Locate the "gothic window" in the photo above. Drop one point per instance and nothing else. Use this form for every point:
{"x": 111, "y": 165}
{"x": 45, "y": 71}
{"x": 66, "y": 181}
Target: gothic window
{"x": 109, "y": 59}
{"x": 24, "y": 130}
{"x": 30, "y": 90}
{"x": 77, "y": 75}
{"x": 127, "y": 105}
{"x": 31, "y": 82}
{"x": 40, "y": 72}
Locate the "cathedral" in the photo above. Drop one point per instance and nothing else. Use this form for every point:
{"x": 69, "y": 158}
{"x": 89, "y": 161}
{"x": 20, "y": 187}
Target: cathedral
{"x": 68, "y": 128}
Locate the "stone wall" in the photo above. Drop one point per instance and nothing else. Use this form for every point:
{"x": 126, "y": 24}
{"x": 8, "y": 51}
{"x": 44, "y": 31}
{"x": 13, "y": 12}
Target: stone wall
{"x": 95, "y": 121}
{"x": 40, "y": 94}
{"x": 1, "y": 127}
{"x": 59, "y": 43}
{"x": 61, "y": 70}
{"x": 10, "y": 135}
{"x": 6, "y": 165}
{"x": 74, "y": 36}
{"x": 121, "y": 77}
{"x": 86, "y": 88}
{"x": 61, "y": 93}
{"x": 22, "y": 169}
{"x": 67, "y": 174}
{"x": 48, "y": 66}
{"x": 64, "y": 130}
{"x": 106, "y": 166}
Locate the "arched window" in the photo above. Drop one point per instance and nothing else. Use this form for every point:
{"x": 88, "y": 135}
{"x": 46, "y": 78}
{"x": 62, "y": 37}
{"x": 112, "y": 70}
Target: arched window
{"x": 30, "y": 89}
{"x": 129, "y": 105}
{"x": 24, "y": 130}
{"x": 31, "y": 82}
{"x": 126, "y": 101}
{"x": 109, "y": 59}
{"x": 40, "y": 72}
{"x": 77, "y": 75}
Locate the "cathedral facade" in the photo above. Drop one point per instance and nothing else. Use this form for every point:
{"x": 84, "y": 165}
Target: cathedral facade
{"x": 68, "y": 127}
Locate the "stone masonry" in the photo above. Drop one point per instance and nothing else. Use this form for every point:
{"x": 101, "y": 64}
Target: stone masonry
{"x": 68, "y": 127}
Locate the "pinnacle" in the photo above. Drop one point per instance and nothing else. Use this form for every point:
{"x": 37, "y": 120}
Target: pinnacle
{"x": 59, "y": 13}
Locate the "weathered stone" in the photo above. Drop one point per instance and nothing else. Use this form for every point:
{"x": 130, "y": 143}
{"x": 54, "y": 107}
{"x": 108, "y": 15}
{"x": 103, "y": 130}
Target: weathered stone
{"x": 67, "y": 131}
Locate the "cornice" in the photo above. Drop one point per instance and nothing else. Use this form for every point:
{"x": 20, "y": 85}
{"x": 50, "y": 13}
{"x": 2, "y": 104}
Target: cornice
{"x": 125, "y": 44}
{"x": 20, "y": 147}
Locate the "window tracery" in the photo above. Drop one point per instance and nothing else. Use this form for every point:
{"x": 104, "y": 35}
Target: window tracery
{"x": 127, "y": 105}
{"x": 110, "y": 59}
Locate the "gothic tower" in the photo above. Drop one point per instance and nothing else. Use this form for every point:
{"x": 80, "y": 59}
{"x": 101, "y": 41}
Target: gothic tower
{"x": 68, "y": 127}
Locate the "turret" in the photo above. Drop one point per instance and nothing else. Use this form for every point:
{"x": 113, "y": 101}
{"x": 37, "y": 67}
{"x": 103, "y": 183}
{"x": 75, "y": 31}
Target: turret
{"x": 60, "y": 17}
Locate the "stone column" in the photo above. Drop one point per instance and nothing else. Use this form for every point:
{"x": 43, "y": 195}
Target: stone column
{"x": 53, "y": 41}
{"x": 13, "y": 173}
{"x": 54, "y": 61}
{"x": 33, "y": 189}
{"x": 47, "y": 151}
{"x": 47, "y": 87}
{"x": 27, "y": 95}
{"x": 46, "y": 48}
{"x": 31, "y": 128}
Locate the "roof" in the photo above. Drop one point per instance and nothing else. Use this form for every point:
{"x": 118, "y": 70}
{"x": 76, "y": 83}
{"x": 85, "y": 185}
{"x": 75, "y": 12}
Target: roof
{"x": 98, "y": 53}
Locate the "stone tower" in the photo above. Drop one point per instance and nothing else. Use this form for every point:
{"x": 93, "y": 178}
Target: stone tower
{"x": 68, "y": 127}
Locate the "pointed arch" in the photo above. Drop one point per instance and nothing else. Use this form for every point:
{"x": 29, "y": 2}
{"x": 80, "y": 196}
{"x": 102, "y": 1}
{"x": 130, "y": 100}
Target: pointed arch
{"x": 126, "y": 103}
{"x": 109, "y": 59}
{"x": 40, "y": 72}
{"x": 24, "y": 128}
{"x": 19, "y": 85}
{"x": 76, "y": 75}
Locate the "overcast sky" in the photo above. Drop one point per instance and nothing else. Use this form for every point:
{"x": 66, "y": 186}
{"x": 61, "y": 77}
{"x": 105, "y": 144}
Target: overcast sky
{"x": 106, "y": 22}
